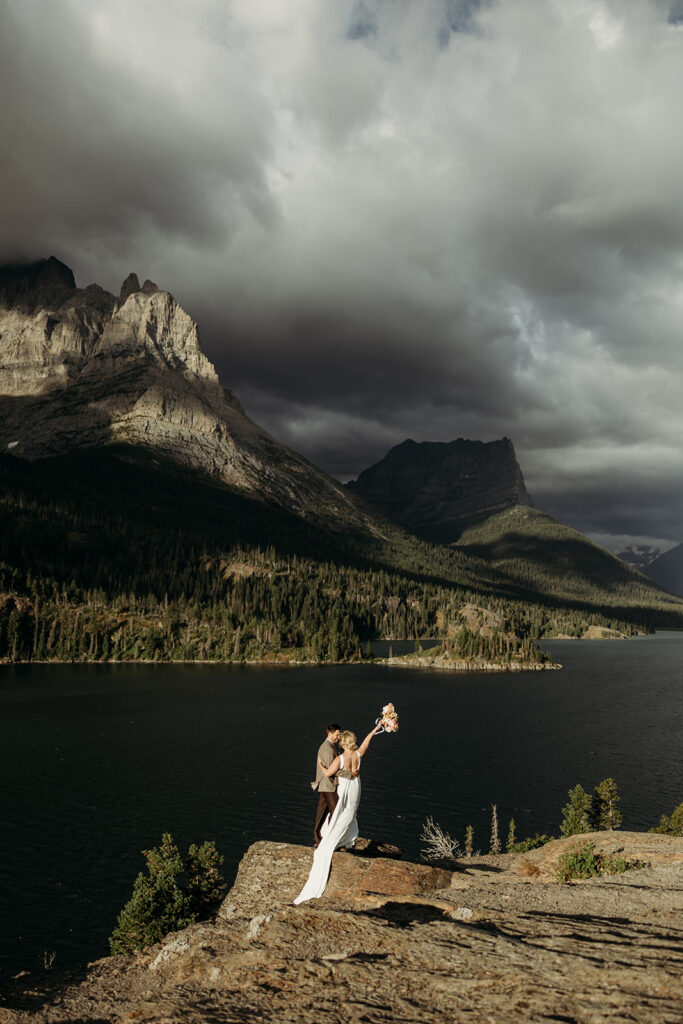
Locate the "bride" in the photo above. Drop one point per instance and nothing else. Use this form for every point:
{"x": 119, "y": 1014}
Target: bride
{"x": 341, "y": 830}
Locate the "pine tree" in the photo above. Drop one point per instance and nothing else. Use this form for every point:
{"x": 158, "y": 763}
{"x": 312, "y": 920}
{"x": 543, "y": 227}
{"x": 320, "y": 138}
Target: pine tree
{"x": 161, "y": 903}
{"x": 495, "y": 841}
{"x": 605, "y": 813}
{"x": 205, "y": 884}
{"x": 577, "y": 813}
{"x": 158, "y": 904}
{"x": 512, "y": 839}
{"x": 671, "y": 826}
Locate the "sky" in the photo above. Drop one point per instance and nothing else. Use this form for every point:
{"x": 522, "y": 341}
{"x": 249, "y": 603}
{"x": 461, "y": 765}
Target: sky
{"x": 390, "y": 218}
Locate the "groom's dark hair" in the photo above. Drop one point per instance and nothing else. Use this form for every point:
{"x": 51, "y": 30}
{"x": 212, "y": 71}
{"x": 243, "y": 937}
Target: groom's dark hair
{"x": 333, "y": 727}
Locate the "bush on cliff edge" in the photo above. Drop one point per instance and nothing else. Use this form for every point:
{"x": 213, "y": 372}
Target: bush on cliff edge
{"x": 671, "y": 826}
{"x": 173, "y": 894}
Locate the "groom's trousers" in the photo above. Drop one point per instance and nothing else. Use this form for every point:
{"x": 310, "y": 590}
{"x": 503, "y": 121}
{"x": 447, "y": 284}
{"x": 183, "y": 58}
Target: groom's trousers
{"x": 326, "y": 805}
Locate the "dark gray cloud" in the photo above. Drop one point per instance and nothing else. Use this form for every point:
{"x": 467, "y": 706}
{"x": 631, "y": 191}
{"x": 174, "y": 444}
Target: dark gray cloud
{"x": 416, "y": 218}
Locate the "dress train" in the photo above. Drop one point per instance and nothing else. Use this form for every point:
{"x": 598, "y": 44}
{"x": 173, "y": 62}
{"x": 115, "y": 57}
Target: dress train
{"x": 341, "y": 829}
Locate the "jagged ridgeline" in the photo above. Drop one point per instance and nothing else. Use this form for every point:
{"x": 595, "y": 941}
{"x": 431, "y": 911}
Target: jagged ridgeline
{"x": 143, "y": 515}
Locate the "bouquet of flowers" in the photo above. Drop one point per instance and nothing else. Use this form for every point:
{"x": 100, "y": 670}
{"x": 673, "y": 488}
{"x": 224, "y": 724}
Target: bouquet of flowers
{"x": 388, "y": 719}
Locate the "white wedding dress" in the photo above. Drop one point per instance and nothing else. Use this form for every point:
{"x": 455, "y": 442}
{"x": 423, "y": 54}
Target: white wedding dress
{"x": 339, "y": 830}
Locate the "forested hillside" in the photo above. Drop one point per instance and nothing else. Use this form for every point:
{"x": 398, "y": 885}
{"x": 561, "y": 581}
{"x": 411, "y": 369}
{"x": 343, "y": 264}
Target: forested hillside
{"x": 106, "y": 557}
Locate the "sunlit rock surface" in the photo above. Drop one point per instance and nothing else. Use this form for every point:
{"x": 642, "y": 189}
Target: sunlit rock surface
{"x": 494, "y": 939}
{"x": 81, "y": 367}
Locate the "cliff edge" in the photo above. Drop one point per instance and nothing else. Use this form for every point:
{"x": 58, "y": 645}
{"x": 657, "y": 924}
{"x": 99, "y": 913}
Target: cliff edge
{"x": 493, "y": 939}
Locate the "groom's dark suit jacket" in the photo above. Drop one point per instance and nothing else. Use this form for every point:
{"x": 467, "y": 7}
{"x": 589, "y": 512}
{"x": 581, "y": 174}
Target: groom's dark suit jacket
{"x": 327, "y": 754}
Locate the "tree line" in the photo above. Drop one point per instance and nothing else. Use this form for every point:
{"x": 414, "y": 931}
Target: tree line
{"x": 104, "y": 560}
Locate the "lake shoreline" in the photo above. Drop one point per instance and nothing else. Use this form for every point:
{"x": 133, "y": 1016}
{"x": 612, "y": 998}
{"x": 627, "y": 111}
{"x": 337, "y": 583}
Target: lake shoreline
{"x": 397, "y": 662}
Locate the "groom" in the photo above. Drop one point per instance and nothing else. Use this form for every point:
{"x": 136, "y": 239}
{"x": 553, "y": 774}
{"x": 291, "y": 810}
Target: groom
{"x": 326, "y": 788}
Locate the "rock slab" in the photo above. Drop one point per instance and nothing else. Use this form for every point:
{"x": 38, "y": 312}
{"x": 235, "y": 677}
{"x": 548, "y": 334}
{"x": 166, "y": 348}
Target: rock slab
{"x": 273, "y": 874}
{"x": 495, "y": 948}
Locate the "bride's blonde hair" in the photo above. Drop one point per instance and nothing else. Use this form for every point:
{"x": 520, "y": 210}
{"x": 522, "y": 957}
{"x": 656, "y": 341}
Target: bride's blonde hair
{"x": 348, "y": 740}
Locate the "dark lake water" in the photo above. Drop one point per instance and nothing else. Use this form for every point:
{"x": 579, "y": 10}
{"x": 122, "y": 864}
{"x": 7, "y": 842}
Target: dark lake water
{"x": 98, "y": 760}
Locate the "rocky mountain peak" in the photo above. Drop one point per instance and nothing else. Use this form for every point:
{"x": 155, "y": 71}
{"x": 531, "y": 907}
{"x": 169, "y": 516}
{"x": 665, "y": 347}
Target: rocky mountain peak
{"x": 130, "y": 285}
{"x": 46, "y": 284}
{"x": 79, "y": 367}
{"x": 437, "y": 487}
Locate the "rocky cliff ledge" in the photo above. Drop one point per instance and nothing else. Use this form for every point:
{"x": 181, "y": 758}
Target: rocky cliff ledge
{"x": 496, "y": 939}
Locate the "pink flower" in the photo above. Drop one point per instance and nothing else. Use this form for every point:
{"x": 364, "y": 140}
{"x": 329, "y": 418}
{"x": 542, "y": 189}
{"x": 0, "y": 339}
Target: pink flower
{"x": 389, "y": 718}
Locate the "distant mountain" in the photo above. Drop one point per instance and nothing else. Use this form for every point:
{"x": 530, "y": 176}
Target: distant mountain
{"x": 144, "y": 515}
{"x": 667, "y": 570}
{"x": 524, "y": 544}
{"x": 83, "y": 368}
{"x": 639, "y": 556}
{"x": 437, "y": 488}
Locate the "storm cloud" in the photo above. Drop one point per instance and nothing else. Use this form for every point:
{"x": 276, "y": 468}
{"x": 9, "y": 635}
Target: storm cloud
{"x": 391, "y": 218}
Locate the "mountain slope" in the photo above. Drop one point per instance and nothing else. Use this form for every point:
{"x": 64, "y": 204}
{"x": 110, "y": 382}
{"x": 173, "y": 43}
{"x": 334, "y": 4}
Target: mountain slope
{"x": 667, "y": 570}
{"x": 80, "y": 367}
{"x": 471, "y": 497}
{"x": 104, "y": 557}
{"x": 147, "y": 516}
{"x": 529, "y": 546}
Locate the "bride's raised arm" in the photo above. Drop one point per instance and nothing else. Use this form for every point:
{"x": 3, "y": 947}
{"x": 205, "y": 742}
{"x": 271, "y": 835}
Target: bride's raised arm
{"x": 334, "y": 767}
{"x": 366, "y": 742}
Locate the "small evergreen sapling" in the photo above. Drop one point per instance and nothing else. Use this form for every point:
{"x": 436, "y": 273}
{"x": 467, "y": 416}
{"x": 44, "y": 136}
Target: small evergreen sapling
{"x": 495, "y": 841}
{"x": 605, "y": 813}
{"x": 512, "y": 839}
{"x": 671, "y": 826}
{"x": 577, "y": 813}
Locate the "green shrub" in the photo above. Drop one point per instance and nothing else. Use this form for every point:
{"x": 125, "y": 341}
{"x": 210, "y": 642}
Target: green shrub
{"x": 671, "y": 826}
{"x": 530, "y": 843}
{"x": 583, "y": 862}
{"x": 617, "y": 865}
{"x": 578, "y": 862}
{"x": 172, "y": 895}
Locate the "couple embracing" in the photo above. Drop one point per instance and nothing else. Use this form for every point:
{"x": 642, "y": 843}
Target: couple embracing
{"x": 337, "y": 782}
